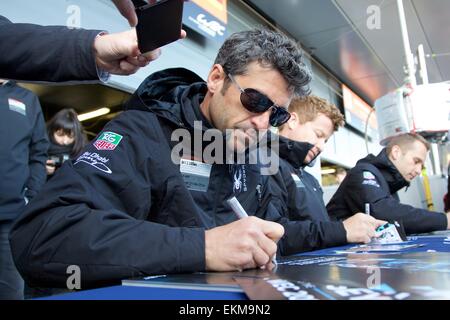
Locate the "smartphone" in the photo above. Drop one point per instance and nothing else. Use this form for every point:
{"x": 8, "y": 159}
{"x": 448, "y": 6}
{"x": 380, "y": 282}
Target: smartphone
{"x": 158, "y": 24}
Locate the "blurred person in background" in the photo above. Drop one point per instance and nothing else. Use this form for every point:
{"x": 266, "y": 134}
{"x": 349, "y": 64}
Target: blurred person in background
{"x": 67, "y": 139}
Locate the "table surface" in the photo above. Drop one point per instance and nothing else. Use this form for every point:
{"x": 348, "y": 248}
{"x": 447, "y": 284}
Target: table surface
{"x": 430, "y": 243}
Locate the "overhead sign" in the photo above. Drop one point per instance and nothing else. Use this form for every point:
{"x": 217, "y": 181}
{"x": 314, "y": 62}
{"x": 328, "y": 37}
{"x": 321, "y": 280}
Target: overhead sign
{"x": 357, "y": 112}
{"x": 424, "y": 109}
{"x": 391, "y": 115}
{"x": 208, "y": 17}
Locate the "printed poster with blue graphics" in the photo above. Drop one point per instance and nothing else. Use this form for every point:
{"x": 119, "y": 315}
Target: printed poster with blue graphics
{"x": 208, "y": 17}
{"x": 415, "y": 276}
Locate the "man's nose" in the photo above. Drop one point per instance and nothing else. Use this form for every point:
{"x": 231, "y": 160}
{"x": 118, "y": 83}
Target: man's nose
{"x": 261, "y": 121}
{"x": 418, "y": 170}
{"x": 321, "y": 145}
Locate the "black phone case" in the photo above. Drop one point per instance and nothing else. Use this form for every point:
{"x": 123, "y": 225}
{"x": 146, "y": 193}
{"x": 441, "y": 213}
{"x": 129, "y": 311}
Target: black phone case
{"x": 159, "y": 24}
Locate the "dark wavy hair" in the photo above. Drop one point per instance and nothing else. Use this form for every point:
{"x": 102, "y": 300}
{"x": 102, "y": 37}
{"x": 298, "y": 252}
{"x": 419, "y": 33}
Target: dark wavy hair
{"x": 269, "y": 48}
{"x": 67, "y": 121}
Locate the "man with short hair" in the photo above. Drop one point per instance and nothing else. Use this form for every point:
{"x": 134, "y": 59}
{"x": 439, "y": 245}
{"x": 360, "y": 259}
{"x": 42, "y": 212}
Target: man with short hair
{"x": 124, "y": 208}
{"x": 308, "y": 227}
{"x": 376, "y": 179}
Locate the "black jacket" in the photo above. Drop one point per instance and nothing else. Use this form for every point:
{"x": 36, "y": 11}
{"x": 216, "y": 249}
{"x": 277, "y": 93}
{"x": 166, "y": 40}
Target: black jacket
{"x": 126, "y": 210}
{"x": 306, "y": 222}
{"x": 23, "y": 149}
{"x": 46, "y": 53}
{"x": 375, "y": 180}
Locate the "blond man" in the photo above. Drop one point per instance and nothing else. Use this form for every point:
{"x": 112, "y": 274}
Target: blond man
{"x": 307, "y": 224}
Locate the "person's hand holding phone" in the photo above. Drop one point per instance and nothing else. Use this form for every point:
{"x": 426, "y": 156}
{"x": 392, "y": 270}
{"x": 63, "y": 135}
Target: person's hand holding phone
{"x": 159, "y": 23}
{"x": 119, "y": 53}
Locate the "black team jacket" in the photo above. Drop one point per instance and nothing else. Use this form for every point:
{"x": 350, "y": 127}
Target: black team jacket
{"x": 124, "y": 208}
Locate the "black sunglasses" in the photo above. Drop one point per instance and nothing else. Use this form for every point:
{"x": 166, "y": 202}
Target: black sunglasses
{"x": 256, "y": 102}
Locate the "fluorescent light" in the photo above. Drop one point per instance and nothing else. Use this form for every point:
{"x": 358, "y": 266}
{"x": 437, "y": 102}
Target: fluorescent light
{"x": 93, "y": 114}
{"x": 328, "y": 171}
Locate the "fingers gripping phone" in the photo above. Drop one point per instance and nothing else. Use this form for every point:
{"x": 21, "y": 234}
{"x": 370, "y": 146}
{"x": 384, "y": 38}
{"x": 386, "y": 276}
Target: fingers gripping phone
{"x": 159, "y": 23}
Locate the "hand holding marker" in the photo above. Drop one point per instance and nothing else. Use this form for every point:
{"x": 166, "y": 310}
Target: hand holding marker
{"x": 241, "y": 214}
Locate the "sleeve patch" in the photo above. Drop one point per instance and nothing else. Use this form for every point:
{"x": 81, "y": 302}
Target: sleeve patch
{"x": 367, "y": 175}
{"x": 107, "y": 141}
{"x": 369, "y": 179}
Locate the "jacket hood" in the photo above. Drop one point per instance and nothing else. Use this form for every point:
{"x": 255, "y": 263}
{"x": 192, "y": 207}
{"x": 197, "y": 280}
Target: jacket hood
{"x": 390, "y": 173}
{"x": 174, "y": 94}
{"x": 294, "y": 152}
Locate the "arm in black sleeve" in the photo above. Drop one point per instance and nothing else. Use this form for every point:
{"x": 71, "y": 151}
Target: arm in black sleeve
{"x": 95, "y": 214}
{"x": 304, "y": 235}
{"x": 46, "y": 53}
{"x": 38, "y": 153}
{"x": 307, "y": 235}
{"x": 385, "y": 207}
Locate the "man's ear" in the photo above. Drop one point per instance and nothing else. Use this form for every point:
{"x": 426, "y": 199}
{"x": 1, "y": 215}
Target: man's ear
{"x": 216, "y": 78}
{"x": 395, "y": 152}
{"x": 293, "y": 121}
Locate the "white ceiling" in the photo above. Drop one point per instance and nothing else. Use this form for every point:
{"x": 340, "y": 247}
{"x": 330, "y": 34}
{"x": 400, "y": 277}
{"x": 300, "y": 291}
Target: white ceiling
{"x": 371, "y": 62}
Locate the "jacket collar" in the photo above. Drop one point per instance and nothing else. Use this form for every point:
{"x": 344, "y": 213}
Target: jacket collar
{"x": 390, "y": 173}
{"x": 294, "y": 152}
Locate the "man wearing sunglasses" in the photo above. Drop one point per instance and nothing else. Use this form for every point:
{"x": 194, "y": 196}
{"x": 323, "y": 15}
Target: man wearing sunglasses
{"x": 256, "y": 102}
{"x": 140, "y": 200}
